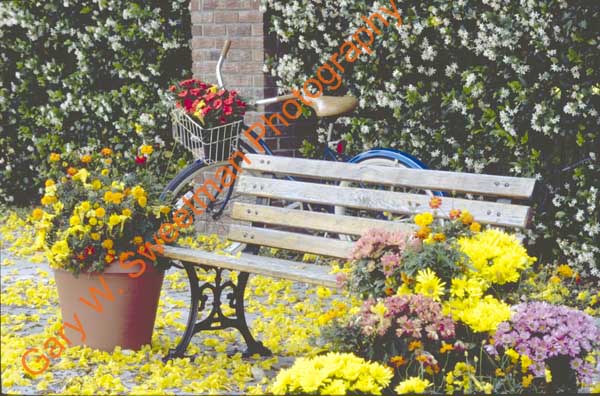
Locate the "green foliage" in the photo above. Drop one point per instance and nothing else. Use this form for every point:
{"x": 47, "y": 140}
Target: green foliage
{"x": 496, "y": 87}
{"x": 82, "y": 74}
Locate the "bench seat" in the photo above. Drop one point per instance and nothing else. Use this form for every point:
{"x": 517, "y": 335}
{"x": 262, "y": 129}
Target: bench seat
{"x": 269, "y": 266}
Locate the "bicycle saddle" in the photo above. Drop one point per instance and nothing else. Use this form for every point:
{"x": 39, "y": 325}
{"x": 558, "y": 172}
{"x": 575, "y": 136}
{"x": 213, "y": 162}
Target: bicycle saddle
{"x": 332, "y": 106}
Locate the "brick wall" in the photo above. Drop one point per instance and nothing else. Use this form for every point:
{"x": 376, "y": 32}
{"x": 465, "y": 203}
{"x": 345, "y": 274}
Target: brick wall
{"x": 213, "y": 21}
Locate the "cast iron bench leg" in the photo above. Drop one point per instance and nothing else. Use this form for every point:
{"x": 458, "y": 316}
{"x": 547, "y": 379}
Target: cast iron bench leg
{"x": 216, "y": 320}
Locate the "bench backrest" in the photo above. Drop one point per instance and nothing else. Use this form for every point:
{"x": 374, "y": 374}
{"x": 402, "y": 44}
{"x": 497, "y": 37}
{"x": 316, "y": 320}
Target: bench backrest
{"x": 257, "y": 180}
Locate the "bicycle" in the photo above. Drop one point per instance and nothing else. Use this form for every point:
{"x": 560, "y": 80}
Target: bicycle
{"x": 324, "y": 107}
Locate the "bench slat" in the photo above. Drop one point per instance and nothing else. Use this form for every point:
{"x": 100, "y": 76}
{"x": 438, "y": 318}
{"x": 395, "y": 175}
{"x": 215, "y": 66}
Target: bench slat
{"x": 290, "y": 241}
{"x": 269, "y": 266}
{"x": 484, "y": 212}
{"x": 346, "y": 225}
{"x": 492, "y": 185}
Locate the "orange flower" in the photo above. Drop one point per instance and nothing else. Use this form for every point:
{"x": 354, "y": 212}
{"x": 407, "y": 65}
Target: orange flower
{"x": 389, "y": 291}
{"x": 398, "y": 361}
{"x": 86, "y": 159}
{"x": 455, "y": 214}
{"x": 446, "y": 347}
{"x": 439, "y": 237}
{"x": 109, "y": 258}
{"x": 422, "y": 359}
{"x": 475, "y": 227}
{"x": 466, "y": 218}
{"x": 435, "y": 202}
{"x": 415, "y": 345}
{"x": 405, "y": 278}
{"x": 71, "y": 171}
{"x": 423, "y": 232}
{"x": 106, "y": 151}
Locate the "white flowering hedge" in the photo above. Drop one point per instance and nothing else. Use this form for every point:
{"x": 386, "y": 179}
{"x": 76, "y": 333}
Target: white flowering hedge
{"x": 504, "y": 87}
{"x": 80, "y": 74}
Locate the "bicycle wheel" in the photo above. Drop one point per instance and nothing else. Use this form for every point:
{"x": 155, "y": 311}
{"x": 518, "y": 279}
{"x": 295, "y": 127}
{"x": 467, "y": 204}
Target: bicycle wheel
{"x": 207, "y": 205}
{"x": 397, "y": 161}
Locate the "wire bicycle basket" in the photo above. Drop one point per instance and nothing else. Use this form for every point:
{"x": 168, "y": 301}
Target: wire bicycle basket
{"x": 208, "y": 144}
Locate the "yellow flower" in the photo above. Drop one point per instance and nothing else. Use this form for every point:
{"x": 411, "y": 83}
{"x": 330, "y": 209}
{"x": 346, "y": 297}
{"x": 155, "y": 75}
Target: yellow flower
{"x": 48, "y": 200}
{"x": 525, "y": 363}
{"x": 565, "y": 271}
{"x": 466, "y": 217}
{"x": 108, "y": 243}
{"x": 446, "y": 347}
{"x": 71, "y": 171}
{"x": 428, "y": 284}
{"x": 142, "y": 201}
{"x": 379, "y": 309}
{"x": 415, "y": 345}
{"x": 475, "y": 227}
{"x": 86, "y": 159}
{"x": 74, "y": 221}
{"x": 37, "y": 214}
{"x": 548, "y": 375}
{"x": 527, "y": 381}
{"x": 555, "y": 279}
{"x": 213, "y": 89}
{"x": 512, "y": 354}
{"x": 104, "y": 172}
{"x": 423, "y": 219}
{"x": 100, "y": 212}
{"x": 165, "y": 209}
{"x": 138, "y": 240}
{"x": 423, "y": 232}
{"x": 146, "y": 149}
{"x": 439, "y": 237}
{"x": 49, "y": 183}
{"x": 114, "y": 220}
{"x": 138, "y": 128}
{"x": 126, "y": 212}
{"x": 137, "y": 192}
{"x": 412, "y": 385}
{"x": 96, "y": 184}
{"x": 54, "y": 157}
{"x": 85, "y": 206}
{"x": 106, "y": 151}
{"x": 95, "y": 236}
{"x": 93, "y": 221}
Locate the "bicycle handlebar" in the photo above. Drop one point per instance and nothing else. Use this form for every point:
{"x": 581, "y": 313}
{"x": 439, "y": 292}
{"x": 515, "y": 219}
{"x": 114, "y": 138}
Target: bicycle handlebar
{"x": 225, "y": 49}
{"x": 222, "y": 58}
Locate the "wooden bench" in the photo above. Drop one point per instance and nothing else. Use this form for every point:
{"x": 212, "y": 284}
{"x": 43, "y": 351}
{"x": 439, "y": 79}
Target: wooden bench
{"x": 256, "y": 180}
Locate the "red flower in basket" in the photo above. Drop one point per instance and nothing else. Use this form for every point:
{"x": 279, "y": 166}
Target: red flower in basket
{"x": 208, "y": 104}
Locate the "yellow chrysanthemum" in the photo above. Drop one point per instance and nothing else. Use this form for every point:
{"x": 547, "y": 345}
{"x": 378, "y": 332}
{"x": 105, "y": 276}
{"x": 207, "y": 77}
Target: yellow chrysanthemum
{"x": 146, "y": 149}
{"x": 412, "y": 385}
{"x": 423, "y": 219}
{"x": 428, "y": 284}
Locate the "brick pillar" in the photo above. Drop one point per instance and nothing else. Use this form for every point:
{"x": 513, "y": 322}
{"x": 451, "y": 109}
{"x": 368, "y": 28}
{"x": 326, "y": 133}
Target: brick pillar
{"x": 240, "y": 21}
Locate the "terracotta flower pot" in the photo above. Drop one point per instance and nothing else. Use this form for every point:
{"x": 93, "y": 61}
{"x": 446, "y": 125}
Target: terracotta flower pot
{"x": 120, "y": 312}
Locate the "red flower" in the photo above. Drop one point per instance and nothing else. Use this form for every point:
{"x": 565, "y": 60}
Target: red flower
{"x": 217, "y": 104}
{"x": 221, "y": 92}
{"x": 188, "y": 104}
{"x": 209, "y": 96}
{"x": 203, "y": 85}
{"x": 205, "y": 110}
{"x": 195, "y": 91}
{"x": 187, "y": 83}
{"x": 227, "y": 110}
{"x": 223, "y": 120}
{"x": 228, "y": 101}
{"x": 182, "y": 94}
{"x": 172, "y": 88}
{"x": 140, "y": 159}
{"x": 89, "y": 250}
